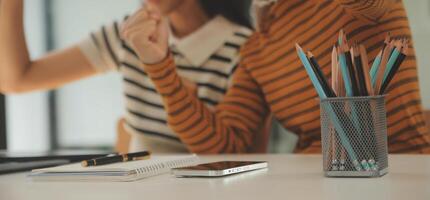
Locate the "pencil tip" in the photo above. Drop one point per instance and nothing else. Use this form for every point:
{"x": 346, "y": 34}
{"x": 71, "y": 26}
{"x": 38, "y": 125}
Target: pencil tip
{"x": 298, "y": 47}
{"x": 362, "y": 49}
{"x": 356, "y": 50}
{"x": 387, "y": 38}
{"x": 405, "y": 48}
{"x": 399, "y": 44}
{"x": 344, "y": 36}
{"x": 340, "y": 37}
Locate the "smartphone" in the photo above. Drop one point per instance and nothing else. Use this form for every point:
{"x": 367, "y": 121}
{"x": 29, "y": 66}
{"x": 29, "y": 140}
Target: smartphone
{"x": 217, "y": 169}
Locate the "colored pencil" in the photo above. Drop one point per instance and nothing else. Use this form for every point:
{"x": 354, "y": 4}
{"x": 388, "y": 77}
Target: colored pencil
{"x": 375, "y": 68}
{"x": 365, "y": 62}
{"x": 360, "y": 71}
{"x": 320, "y": 75}
{"x": 380, "y": 74}
{"x": 334, "y": 71}
{"x": 334, "y": 116}
{"x": 349, "y": 64}
{"x": 395, "y": 68}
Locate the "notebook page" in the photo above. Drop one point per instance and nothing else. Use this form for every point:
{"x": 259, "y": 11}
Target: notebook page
{"x": 116, "y": 167}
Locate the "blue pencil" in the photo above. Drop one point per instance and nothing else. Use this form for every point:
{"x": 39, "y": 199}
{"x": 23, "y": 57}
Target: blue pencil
{"x": 375, "y": 68}
{"x": 344, "y": 66}
{"x": 345, "y": 74}
{"x": 352, "y": 89}
{"x": 391, "y": 61}
{"x": 311, "y": 73}
{"x": 336, "y": 121}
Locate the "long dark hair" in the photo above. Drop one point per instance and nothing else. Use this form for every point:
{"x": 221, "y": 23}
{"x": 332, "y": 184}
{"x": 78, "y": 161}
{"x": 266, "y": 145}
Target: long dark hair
{"x": 237, "y": 11}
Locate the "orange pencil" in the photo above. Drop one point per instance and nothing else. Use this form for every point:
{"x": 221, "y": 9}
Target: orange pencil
{"x": 380, "y": 74}
{"x": 366, "y": 70}
{"x": 334, "y": 71}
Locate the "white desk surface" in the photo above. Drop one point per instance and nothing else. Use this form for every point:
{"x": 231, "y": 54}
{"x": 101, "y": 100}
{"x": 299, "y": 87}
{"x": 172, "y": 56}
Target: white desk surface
{"x": 288, "y": 177}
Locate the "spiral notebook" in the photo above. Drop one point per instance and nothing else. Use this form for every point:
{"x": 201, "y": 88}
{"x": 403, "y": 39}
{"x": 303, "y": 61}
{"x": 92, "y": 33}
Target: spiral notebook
{"x": 124, "y": 171}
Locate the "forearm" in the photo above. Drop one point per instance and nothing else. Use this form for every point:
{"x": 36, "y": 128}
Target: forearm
{"x": 20, "y": 74}
{"x": 230, "y": 128}
{"x": 13, "y": 49}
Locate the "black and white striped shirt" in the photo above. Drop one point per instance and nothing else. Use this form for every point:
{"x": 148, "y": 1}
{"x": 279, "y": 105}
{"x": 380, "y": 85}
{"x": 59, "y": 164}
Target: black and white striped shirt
{"x": 206, "y": 57}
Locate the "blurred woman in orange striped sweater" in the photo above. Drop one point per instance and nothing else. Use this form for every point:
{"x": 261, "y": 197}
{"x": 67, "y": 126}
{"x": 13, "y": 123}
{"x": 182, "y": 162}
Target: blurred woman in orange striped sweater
{"x": 271, "y": 79}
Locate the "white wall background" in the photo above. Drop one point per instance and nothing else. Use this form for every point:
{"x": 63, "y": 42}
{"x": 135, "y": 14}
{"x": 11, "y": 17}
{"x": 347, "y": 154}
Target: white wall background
{"x": 88, "y": 110}
{"x": 27, "y": 118}
{"x": 419, "y": 16}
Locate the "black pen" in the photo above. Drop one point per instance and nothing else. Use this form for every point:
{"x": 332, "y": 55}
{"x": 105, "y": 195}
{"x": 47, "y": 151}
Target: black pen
{"x": 116, "y": 158}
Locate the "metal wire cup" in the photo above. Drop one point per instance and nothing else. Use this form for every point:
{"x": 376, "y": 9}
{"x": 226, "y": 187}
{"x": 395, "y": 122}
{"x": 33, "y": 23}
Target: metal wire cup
{"x": 354, "y": 136}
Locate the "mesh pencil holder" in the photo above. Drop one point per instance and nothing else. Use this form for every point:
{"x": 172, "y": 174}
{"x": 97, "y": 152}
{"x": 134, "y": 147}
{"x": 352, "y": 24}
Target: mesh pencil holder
{"x": 354, "y": 136}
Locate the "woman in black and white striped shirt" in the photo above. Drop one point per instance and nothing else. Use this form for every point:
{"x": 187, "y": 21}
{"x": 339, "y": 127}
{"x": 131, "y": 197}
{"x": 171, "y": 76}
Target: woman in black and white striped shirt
{"x": 205, "y": 37}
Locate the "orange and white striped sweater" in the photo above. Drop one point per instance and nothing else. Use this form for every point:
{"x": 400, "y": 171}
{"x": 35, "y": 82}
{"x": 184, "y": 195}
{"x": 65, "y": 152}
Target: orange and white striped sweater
{"x": 271, "y": 79}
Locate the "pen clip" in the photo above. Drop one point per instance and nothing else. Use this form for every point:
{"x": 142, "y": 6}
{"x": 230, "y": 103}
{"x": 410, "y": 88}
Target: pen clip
{"x": 141, "y": 158}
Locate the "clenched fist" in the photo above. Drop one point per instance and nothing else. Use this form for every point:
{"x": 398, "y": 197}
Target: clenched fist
{"x": 147, "y": 33}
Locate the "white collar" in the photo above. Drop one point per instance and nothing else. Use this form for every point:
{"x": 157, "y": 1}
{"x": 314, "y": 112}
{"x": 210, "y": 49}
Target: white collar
{"x": 204, "y": 42}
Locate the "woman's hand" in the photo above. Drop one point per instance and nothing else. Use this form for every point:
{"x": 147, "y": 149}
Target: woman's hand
{"x": 147, "y": 33}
